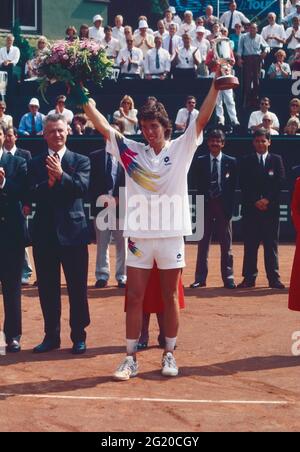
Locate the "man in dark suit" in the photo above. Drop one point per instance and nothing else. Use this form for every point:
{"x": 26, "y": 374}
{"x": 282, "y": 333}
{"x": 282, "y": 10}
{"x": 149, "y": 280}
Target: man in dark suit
{"x": 261, "y": 180}
{"x": 12, "y": 242}
{"x": 11, "y": 136}
{"x": 107, "y": 177}
{"x": 215, "y": 177}
{"x": 58, "y": 182}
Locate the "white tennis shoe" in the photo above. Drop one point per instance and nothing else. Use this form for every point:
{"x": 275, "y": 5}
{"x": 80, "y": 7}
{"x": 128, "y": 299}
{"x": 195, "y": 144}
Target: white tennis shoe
{"x": 169, "y": 366}
{"x": 127, "y": 369}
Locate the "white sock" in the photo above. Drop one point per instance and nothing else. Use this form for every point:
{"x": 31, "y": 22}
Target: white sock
{"x": 131, "y": 346}
{"x": 170, "y": 344}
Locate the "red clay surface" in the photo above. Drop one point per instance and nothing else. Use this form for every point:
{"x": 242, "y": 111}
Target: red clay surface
{"x": 234, "y": 346}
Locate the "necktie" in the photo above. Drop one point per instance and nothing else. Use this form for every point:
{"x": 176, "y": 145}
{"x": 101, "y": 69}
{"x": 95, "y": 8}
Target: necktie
{"x": 215, "y": 191}
{"x": 261, "y": 164}
{"x": 230, "y": 23}
{"x": 109, "y": 178}
{"x": 188, "y": 119}
{"x": 129, "y": 64}
{"x": 171, "y": 46}
{"x": 157, "y": 60}
{"x": 56, "y": 155}
{"x": 33, "y": 127}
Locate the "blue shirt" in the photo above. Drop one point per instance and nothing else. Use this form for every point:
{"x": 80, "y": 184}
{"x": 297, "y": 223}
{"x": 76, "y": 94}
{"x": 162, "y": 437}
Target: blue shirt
{"x": 25, "y": 127}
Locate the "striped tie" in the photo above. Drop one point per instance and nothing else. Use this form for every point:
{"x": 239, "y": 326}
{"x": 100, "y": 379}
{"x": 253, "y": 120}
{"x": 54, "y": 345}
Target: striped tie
{"x": 214, "y": 191}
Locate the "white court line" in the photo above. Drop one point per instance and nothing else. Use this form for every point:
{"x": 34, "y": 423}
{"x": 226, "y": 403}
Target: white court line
{"x": 153, "y": 400}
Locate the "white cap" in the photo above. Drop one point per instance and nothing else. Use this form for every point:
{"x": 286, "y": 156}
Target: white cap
{"x": 97, "y": 17}
{"x": 188, "y": 12}
{"x": 200, "y": 30}
{"x": 297, "y": 4}
{"x": 172, "y": 9}
{"x": 34, "y": 102}
{"x": 143, "y": 24}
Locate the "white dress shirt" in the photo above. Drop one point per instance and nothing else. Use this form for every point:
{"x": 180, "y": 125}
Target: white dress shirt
{"x": 203, "y": 47}
{"x": 176, "y": 40}
{"x": 96, "y": 33}
{"x": 12, "y": 151}
{"x": 68, "y": 114}
{"x": 294, "y": 42}
{"x": 137, "y": 61}
{"x": 118, "y": 33}
{"x": 187, "y": 28}
{"x": 6, "y": 121}
{"x": 163, "y": 36}
{"x": 186, "y": 58}
{"x": 112, "y": 48}
{"x": 238, "y": 18}
{"x": 219, "y": 158}
{"x": 4, "y": 180}
{"x": 164, "y": 61}
{"x": 274, "y": 30}
{"x": 183, "y": 114}
{"x": 61, "y": 153}
{"x": 12, "y": 55}
{"x": 257, "y": 116}
{"x": 264, "y": 156}
{"x": 144, "y": 48}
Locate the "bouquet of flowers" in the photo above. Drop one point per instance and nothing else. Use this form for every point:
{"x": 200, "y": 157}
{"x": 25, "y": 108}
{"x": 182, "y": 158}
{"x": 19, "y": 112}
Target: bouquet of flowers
{"x": 74, "y": 63}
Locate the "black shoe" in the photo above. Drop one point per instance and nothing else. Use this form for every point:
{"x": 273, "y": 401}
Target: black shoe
{"x": 277, "y": 285}
{"x": 79, "y": 348}
{"x": 197, "y": 284}
{"x": 47, "y": 346}
{"x": 246, "y": 284}
{"x": 121, "y": 285}
{"x": 101, "y": 284}
{"x": 230, "y": 285}
{"x": 13, "y": 346}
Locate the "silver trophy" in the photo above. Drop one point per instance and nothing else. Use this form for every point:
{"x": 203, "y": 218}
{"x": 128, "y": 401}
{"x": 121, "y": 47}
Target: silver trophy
{"x": 223, "y": 55}
{"x": 3, "y": 83}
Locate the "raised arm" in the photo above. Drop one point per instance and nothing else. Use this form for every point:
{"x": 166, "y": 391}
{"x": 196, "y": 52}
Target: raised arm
{"x": 99, "y": 121}
{"x": 207, "y": 107}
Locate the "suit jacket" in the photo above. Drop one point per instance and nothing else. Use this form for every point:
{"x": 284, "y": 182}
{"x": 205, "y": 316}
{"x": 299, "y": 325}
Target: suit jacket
{"x": 26, "y": 155}
{"x": 12, "y": 221}
{"x": 98, "y": 180}
{"x": 256, "y": 185}
{"x": 59, "y": 210}
{"x": 201, "y": 180}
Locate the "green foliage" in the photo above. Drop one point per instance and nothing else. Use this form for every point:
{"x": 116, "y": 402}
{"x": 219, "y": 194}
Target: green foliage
{"x": 23, "y": 44}
{"x": 159, "y": 6}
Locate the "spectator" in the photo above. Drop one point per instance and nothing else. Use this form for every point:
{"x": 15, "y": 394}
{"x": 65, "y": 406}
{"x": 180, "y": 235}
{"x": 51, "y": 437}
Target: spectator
{"x": 81, "y": 126}
{"x": 144, "y": 40}
{"x": 203, "y": 45}
{"x": 288, "y": 20}
{"x": 251, "y": 52}
{"x": 127, "y": 33}
{"x": 294, "y": 60}
{"x": 61, "y": 110}
{"x": 293, "y": 36}
{"x": 231, "y": 17}
{"x": 127, "y": 116}
{"x": 187, "y": 57}
{"x": 151, "y": 101}
{"x": 130, "y": 60}
{"x": 236, "y": 36}
{"x": 186, "y": 115}
{"x": 275, "y": 37}
{"x": 292, "y": 127}
{"x": 84, "y": 32}
{"x": 149, "y": 30}
{"x": 118, "y": 29}
{"x": 97, "y": 31}
{"x": 172, "y": 42}
{"x": 171, "y": 18}
{"x": 161, "y": 31}
{"x": 290, "y": 7}
{"x": 32, "y": 65}
{"x": 280, "y": 69}
{"x": 32, "y": 123}
{"x": 294, "y": 108}
{"x": 71, "y": 33}
{"x": 267, "y": 124}
{"x": 216, "y": 32}
{"x": 255, "y": 120}
{"x": 157, "y": 62}
{"x": 209, "y": 19}
{"x": 200, "y": 23}
{"x": 5, "y": 120}
{"x": 9, "y": 55}
{"x": 188, "y": 26}
{"x": 110, "y": 44}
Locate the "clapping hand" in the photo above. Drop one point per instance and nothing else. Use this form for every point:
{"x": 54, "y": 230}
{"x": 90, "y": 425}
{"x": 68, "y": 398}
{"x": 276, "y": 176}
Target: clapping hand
{"x": 55, "y": 171}
{"x": 2, "y": 176}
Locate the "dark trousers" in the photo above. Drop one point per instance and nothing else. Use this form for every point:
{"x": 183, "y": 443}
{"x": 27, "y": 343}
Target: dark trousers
{"x": 74, "y": 260}
{"x": 257, "y": 228}
{"x": 215, "y": 218}
{"x": 251, "y": 75}
{"x": 11, "y": 265}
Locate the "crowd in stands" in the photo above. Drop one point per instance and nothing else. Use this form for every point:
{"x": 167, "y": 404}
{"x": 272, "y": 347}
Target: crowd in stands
{"x": 180, "y": 48}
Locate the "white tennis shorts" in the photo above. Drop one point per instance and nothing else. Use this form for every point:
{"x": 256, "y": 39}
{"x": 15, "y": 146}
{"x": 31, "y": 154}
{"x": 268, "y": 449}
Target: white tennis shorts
{"x": 168, "y": 253}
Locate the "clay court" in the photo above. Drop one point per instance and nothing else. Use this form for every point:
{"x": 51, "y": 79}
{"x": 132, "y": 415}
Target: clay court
{"x": 237, "y": 371}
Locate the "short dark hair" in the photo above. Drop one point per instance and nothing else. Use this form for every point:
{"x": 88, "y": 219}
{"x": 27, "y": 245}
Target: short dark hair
{"x": 216, "y": 133}
{"x": 14, "y": 129}
{"x": 107, "y": 28}
{"x": 191, "y": 98}
{"x": 262, "y": 133}
{"x": 158, "y": 113}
